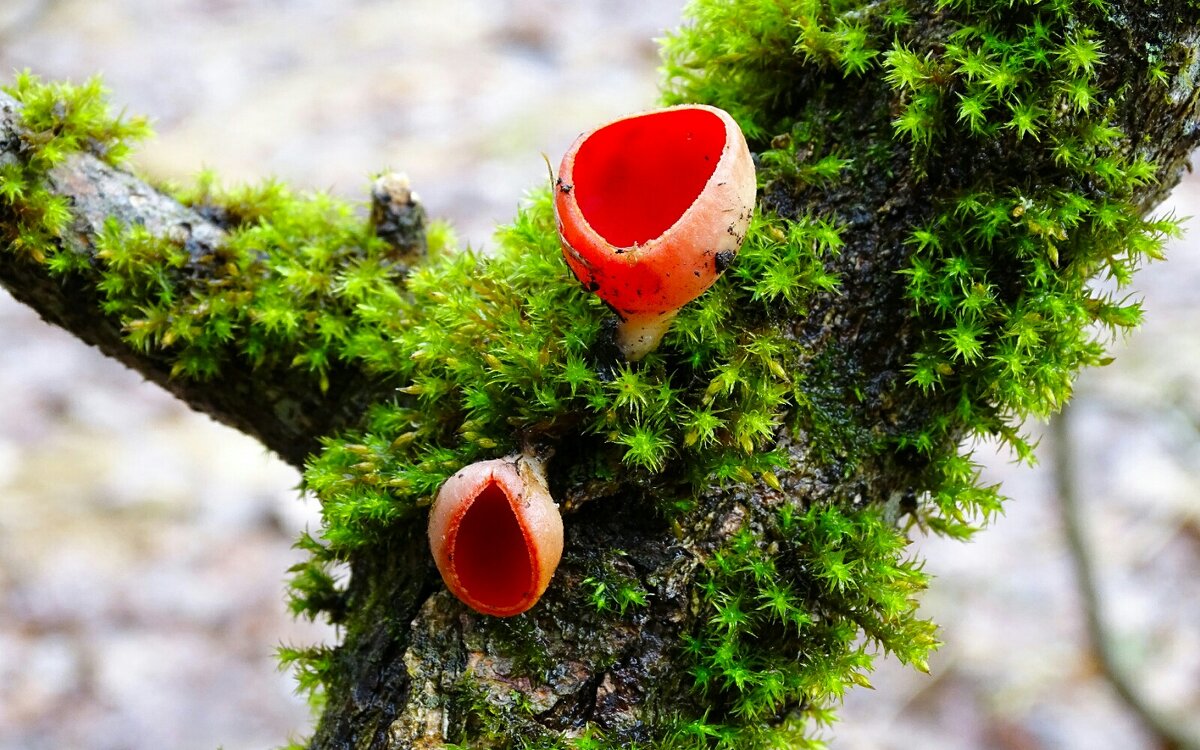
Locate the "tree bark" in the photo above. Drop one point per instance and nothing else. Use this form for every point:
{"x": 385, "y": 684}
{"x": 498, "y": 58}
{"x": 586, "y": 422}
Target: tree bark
{"x": 408, "y": 643}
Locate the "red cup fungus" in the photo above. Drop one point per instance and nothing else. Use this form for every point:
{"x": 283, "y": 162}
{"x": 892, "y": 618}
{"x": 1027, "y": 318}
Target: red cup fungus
{"x": 651, "y": 209}
{"x": 496, "y": 534}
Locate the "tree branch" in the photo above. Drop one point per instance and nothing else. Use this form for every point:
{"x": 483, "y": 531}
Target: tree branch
{"x": 285, "y": 409}
{"x": 626, "y": 675}
{"x": 1173, "y": 732}
{"x": 938, "y": 188}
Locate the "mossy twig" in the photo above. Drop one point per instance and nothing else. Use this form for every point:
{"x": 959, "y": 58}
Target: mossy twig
{"x": 1174, "y": 733}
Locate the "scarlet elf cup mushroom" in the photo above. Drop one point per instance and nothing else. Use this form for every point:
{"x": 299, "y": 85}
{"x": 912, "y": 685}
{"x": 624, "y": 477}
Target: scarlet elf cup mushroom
{"x": 496, "y": 534}
{"x": 651, "y": 208}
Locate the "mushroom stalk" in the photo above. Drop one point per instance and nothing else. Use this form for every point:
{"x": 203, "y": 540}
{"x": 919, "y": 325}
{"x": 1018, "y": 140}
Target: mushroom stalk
{"x": 639, "y": 334}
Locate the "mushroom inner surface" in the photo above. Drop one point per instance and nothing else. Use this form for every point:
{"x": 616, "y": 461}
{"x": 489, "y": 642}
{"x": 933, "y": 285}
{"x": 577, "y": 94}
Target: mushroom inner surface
{"x": 491, "y": 558}
{"x": 634, "y": 178}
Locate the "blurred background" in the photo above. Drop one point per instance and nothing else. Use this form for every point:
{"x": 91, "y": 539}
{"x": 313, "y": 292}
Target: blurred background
{"x": 143, "y": 548}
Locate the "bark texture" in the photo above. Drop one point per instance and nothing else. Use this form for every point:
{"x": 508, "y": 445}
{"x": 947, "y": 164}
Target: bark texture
{"x": 408, "y": 642}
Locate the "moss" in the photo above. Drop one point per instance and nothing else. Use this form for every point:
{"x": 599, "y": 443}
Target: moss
{"x": 1003, "y": 276}
{"x": 1015, "y": 276}
{"x": 511, "y": 356}
{"x": 490, "y": 723}
{"x": 1000, "y": 309}
{"x": 61, "y": 119}
{"x": 614, "y": 586}
{"x": 492, "y": 352}
{"x": 311, "y": 666}
{"x": 827, "y": 584}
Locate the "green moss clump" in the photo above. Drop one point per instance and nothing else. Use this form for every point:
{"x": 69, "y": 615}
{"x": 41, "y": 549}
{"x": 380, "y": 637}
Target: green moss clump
{"x": 511, "y": 355}
{"x": 1019, "y": 278}
{"x": 63, "y": 119}
{"x": 287, "y": 289}
{"x": 793, "y": 615}
{"x": 1016, "y": 274}
{"x": 60, "y": 119}
{"x": 796, "y": 613}
{"x": 611, "y": 589}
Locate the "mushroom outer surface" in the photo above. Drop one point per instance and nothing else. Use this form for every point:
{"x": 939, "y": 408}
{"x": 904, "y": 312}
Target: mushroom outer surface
{"x": 496, "y": 535}
{"x": 646, "y": 202}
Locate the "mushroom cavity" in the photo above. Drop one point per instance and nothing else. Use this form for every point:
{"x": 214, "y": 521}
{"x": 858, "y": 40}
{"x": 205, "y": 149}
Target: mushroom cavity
{"x": 651, "y": 208}
{"x": 496, "y": 534}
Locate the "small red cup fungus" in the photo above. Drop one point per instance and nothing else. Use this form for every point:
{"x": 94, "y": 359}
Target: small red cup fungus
{"x": 496, "y": 534}
{"x": 651, "y": 208}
